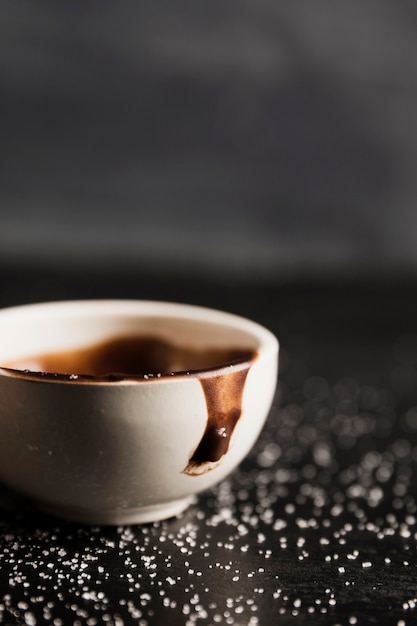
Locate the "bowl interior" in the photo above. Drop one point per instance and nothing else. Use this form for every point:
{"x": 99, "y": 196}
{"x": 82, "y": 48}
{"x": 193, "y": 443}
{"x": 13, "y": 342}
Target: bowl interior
{"x": 99, "y": 338}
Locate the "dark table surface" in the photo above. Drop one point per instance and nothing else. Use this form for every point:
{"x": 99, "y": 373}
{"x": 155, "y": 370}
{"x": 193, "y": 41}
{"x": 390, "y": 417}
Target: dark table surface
{"x": 318, "y": 525}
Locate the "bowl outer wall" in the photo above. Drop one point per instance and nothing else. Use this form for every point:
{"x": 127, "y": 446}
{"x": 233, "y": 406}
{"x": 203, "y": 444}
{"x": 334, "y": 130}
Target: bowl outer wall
{"x": 118, "y": 445}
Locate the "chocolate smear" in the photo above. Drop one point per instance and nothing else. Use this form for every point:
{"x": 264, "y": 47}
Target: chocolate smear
{"x": 223, "y": 394}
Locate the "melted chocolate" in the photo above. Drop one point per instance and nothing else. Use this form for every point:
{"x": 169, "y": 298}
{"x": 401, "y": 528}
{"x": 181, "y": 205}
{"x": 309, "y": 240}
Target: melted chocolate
{"x": 223, "y": 395}
{"x": 147, "y": 357}
{"x": 127, "y": 357}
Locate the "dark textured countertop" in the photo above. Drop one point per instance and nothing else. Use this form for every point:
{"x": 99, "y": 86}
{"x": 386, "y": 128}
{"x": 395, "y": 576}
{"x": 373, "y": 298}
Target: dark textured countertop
{"x": 318, "y": 525}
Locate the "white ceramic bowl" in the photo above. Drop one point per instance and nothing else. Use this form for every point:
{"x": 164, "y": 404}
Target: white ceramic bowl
{"x": 174, "y": 416}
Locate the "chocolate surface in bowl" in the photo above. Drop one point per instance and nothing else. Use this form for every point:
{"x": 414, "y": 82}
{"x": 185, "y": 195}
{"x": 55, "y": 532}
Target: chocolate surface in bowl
{"x": 129, "y": 356}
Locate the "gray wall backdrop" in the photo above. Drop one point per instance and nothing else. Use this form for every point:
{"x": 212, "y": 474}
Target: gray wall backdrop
{"x": 240, "y": 136}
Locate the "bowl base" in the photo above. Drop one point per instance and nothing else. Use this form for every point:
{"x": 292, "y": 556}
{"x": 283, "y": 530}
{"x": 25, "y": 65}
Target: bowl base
{"x": 117, "y": 517}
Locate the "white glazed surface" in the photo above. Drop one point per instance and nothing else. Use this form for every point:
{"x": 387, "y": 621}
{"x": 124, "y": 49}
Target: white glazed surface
{"x": 115, "y": 452}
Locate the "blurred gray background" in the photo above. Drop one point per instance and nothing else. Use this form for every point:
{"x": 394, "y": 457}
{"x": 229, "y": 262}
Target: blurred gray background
{"x": 243, "y": 138}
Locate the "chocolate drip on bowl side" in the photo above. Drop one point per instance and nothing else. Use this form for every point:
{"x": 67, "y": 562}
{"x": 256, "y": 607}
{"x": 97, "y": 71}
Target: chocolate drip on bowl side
{"x": 223, "y": 394}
